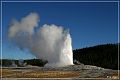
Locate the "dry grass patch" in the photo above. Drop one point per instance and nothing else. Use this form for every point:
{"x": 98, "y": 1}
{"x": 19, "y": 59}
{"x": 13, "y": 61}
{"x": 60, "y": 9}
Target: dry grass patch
{"x": 45, "y": 75}
{"x": 7, "y": 72}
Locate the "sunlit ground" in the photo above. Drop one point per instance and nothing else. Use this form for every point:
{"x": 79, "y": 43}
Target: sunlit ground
{"x": 20, "y": 74}
{"x": 23, "y": 73}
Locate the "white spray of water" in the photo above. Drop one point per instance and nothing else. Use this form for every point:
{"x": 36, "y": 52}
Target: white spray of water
{"x": 50, "y": 42}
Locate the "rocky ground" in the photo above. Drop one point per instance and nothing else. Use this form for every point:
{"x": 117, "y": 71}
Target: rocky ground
{"x": 71, "y": 71}
{"x": 86, "y": 71}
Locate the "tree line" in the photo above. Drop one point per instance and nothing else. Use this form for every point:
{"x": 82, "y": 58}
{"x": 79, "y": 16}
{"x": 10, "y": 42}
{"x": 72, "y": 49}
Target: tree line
{"x": 104, "y": 55}
{"x": 33, "y": 62}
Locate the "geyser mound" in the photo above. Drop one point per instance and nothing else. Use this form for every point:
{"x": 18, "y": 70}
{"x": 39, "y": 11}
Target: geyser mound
{"x": 49, "y": 42}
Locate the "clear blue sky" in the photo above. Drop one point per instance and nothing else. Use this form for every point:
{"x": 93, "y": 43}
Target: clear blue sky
{"x": 90, "y": 23}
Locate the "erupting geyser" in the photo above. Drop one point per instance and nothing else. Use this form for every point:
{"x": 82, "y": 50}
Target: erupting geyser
{"x": 49, "y": 42}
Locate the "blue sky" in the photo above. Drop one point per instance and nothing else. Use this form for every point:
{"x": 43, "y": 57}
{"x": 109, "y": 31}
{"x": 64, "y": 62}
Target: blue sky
{"x": 90, "y": 23}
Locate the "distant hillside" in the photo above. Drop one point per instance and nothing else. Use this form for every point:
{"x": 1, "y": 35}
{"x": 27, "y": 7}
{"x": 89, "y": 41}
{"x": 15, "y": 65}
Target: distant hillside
{"x": 105, "y": 55}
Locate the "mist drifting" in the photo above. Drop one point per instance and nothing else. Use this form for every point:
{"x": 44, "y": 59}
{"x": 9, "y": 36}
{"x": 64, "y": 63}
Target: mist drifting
{"x": 49, "y": 42}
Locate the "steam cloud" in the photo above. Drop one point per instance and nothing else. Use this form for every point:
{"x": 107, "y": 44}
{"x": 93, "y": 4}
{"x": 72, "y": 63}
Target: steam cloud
{"x": 49, "y": 42}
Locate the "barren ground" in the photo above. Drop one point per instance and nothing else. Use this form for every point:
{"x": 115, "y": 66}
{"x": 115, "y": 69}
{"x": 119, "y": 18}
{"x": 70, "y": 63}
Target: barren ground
{"x": 35, "y": 72}
{"x": 32, "y": 73}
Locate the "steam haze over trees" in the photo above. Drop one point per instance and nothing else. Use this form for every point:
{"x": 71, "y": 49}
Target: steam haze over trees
{"x": 104, "y": 55}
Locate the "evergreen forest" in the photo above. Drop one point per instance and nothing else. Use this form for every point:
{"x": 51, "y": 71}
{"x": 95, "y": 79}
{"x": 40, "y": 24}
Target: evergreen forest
{"x": 104, "y": 55}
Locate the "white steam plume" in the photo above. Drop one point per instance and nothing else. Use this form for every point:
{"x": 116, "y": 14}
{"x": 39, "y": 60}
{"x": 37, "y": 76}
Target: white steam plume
{"x": 50, "y": 42}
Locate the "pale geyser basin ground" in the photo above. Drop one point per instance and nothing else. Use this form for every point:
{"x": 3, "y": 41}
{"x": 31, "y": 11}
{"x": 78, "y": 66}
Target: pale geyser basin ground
{"x": 71, "y": 71}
